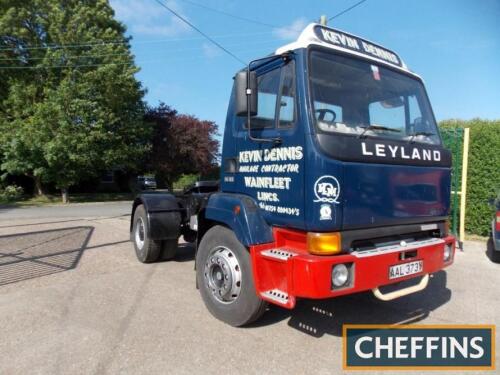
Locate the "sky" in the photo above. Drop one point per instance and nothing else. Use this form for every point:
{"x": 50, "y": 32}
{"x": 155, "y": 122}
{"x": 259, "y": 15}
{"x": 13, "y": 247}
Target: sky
{"x": 454, "y": 45}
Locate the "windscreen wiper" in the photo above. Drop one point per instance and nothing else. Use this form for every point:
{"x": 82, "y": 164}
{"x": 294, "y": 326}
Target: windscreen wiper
{"x": 416, "y": 134}
{"x": 377, "y": 127}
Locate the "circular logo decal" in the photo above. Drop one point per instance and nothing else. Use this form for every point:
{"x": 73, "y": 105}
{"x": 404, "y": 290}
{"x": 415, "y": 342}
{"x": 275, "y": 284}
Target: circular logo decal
{"x": 325, "y": 212}
{"x": 327, "y": 189}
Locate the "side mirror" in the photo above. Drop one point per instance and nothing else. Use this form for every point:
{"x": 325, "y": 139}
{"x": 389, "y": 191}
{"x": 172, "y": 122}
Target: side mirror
{"x": 246, "y": 101}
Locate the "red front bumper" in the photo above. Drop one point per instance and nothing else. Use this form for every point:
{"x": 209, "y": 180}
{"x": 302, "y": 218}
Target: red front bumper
{"x": 288, "y": 271}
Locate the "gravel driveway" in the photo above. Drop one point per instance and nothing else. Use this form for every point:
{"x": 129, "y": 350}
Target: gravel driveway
{"x": 73, "y": 299}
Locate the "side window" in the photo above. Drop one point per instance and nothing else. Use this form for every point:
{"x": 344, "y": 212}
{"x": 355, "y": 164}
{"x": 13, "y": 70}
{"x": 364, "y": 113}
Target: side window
{"x": 274, "y": 84}
{"x": 287, "y": 96}
{"x": 268, "y": 94}
{"x": 389, "y": 113}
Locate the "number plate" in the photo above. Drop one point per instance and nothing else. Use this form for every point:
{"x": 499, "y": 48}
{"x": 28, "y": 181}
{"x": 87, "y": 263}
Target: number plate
{"x": 405, "y": 269}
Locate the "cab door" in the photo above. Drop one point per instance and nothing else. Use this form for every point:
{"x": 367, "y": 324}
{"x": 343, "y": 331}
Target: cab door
{"x": 272, "y": 171}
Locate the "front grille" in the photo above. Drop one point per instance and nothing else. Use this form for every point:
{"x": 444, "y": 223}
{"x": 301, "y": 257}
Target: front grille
{"x": 373, "y": 243}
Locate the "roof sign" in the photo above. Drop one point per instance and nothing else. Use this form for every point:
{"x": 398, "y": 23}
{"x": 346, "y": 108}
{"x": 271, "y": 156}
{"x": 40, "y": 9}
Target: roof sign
{"x": 354, "y": 43}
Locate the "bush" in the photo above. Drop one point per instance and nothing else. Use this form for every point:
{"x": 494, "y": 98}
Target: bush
{"x": 185, "y": 180}
{"x": 11, "y": 193}
{"x": 483, "y": 171}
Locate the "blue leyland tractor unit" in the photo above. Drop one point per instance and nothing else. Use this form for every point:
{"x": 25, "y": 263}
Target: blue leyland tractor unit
{"x": 334, "y": 180}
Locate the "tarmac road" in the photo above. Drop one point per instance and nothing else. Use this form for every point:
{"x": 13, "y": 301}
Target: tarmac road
{"x": 74, "y": 210}
{"x": 74, "y": 299}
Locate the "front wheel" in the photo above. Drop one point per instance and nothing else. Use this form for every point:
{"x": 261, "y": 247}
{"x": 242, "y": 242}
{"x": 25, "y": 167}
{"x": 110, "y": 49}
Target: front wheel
{"x": 224, "y": 276}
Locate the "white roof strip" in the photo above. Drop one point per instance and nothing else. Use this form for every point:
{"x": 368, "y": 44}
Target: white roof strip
{"x": 315, "y": 34}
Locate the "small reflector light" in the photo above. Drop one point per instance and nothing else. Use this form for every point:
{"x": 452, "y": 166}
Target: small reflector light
{"x": 448, "y": 250}
{"x": 323, "y": 243}
{"x": 497, "y": 226}
{"x": 376, "y": 72}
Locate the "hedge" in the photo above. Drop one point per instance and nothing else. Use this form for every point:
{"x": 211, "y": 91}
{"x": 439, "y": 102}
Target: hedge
{"x": 185, "y": 180}
{"x": 483, "y": 175}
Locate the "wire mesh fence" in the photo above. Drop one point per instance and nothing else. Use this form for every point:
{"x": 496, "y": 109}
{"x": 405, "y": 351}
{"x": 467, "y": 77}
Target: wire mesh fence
{"x": 453, "y": 139}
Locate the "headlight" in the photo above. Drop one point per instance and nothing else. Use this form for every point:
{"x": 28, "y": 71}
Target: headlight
{"x": 447, "y": 252}
{"x": 340, "y": 275}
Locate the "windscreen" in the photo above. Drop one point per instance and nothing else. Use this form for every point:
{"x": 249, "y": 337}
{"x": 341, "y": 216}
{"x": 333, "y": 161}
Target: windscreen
{"x": 351, "y": 96}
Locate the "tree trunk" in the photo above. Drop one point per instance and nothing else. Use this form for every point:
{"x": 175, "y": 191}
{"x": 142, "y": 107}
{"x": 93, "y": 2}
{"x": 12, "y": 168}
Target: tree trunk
{"x": 65, "y": 195}
{"x": 38, "y": 186}
{"x": 169, "y": 184}
{"x": 163, "y": 181}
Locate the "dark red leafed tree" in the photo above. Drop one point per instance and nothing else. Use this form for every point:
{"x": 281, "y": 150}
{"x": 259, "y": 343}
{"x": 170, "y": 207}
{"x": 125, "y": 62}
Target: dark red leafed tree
{"x": 181, "y": 144}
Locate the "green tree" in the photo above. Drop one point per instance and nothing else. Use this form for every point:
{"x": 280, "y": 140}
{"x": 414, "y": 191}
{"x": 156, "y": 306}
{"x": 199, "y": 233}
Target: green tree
{"x": 70, "y": 105}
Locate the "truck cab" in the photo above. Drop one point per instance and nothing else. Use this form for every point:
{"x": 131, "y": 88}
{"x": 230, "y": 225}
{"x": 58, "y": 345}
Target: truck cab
{"x": 358, "y": 145}
{"x": 334, "y": 180}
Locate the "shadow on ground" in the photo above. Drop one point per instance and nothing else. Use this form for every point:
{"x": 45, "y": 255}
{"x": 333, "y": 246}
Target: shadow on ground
{"x": 30, "y": 255}
{"x": 319, "y": 317}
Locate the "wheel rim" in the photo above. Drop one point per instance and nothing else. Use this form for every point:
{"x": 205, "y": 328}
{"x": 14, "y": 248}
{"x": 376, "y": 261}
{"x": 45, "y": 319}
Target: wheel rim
{"x": 222, "y": 274}
{"x": 140, "y": 233}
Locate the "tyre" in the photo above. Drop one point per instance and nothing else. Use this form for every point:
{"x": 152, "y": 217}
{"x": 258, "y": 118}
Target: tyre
{"x": 168, "y": 249}
{"x": 225, "y": 279}
{"x": 493, "y": 254}
{"x": 146, "y": 249}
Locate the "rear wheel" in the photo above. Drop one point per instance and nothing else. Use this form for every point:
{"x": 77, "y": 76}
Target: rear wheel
{"x": 146, "y": 249}
{"x": 224, "y": 276}
{"x": 168, "y": 249}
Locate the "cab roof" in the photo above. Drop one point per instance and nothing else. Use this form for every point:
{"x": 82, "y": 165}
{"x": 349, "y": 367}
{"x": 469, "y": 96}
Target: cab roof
{"x": 316, "y": 34}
